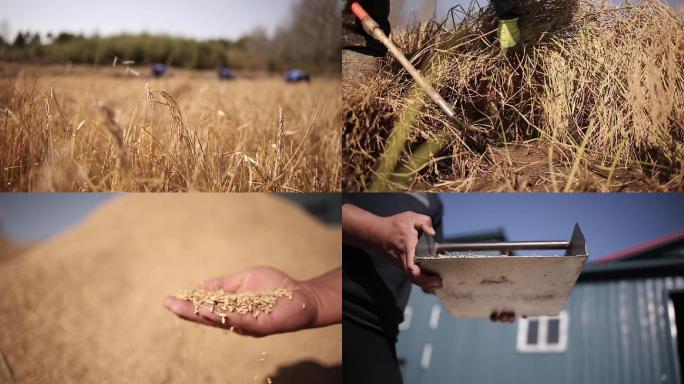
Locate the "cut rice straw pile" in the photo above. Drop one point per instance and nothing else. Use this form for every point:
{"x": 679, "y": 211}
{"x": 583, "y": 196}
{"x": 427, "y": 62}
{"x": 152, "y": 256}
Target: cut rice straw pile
{"x": 595, "y": 92}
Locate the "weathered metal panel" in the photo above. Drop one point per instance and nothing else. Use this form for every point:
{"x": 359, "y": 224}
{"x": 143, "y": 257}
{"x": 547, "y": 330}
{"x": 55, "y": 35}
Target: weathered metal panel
{"x": 618, "y": 332}
{"x": 476, "y": 286}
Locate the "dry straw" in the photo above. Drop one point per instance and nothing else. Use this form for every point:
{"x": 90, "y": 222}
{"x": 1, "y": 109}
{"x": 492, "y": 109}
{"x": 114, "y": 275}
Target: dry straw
{"x": 595, "y": 94}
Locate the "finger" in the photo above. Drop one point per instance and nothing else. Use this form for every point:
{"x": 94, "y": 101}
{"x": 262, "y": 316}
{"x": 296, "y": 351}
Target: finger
{"x": 230, "y": 320}
{"x": 428, "y": 290}
{"x": 428, "y": 281}
{"x": 229, "y": 284}
{"x": 424, "y": 223}
{"x": 409, "y": 255}
{"x": 184, "y": 310}
{"x": 213, "y": 283}
{"x": 245, "y": 324}
{"x": 494, "y": 317}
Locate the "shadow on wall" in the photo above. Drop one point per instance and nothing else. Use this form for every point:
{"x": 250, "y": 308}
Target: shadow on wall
{"x": 308, "y": 372}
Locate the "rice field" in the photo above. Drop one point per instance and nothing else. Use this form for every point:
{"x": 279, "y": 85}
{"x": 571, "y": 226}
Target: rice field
{"x": 66, "y": 128}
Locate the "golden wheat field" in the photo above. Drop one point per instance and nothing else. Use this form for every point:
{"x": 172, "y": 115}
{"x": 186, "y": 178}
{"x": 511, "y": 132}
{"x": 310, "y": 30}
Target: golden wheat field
{"x": 105, "y": 129}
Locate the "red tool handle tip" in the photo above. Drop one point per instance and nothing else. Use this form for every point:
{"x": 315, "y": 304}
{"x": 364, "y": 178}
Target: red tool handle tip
{"x": 359, "y": 11}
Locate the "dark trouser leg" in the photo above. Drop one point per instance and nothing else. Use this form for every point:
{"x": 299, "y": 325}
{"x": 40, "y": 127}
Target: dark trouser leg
{"x": 368, "y": 357}
{"x": 506, "y": 9}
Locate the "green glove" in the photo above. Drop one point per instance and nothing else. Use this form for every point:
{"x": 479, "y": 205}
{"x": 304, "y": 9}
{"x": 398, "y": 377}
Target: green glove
{"x": 508, "y": 33}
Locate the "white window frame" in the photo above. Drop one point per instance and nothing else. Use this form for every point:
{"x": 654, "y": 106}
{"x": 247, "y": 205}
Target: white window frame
{"x": 408, "y": 316}
{"x": 426, "y": 356}
{"x": 434, "y": 316}
{"x": 542, "y": 346}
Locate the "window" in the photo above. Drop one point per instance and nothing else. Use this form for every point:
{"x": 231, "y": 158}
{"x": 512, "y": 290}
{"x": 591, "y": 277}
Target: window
{"x": 434, "y": 316}
{"x": 408, "y": 314}
{"x": 426, "y": 356}
{"x": 543, "y": 334}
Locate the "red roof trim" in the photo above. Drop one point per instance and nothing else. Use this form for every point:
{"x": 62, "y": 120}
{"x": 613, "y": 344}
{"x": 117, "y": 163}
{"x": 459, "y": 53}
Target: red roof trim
{"x": 643, "y": 247}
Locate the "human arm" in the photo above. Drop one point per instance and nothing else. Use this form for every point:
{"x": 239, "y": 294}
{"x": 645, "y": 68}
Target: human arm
{"x": 395, "y": 237}
{"x": 315, "y": 303}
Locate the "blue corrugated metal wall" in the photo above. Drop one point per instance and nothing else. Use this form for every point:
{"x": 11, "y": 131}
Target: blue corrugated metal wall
{"x": 618, "y": 332}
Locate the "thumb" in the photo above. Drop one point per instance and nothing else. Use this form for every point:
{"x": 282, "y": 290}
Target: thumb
{"x": 229, "y": 284}
{"x": 424, "y": 224}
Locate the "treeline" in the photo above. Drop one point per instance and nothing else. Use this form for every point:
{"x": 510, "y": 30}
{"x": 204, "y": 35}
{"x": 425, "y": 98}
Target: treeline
{"x": 310, "y": 41}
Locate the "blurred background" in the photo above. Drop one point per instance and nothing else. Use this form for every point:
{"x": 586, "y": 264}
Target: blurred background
{"x": 409, "y": 12}
{"x": 620, "y": 324}
{"x": 257, "y": 35}
{"x": 610, "y": 222}
{"x": 34, "y": 217}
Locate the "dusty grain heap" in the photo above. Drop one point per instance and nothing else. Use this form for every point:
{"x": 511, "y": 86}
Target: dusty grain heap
{"x": 86, "y": 306}
{"x": 595, "y": 93}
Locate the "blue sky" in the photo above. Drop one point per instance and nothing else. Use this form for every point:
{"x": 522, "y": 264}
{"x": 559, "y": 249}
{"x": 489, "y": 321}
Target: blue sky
{"x": 199, "y": 19}
{"x": 36, "y": 216}
{"x": 610, "y": 222}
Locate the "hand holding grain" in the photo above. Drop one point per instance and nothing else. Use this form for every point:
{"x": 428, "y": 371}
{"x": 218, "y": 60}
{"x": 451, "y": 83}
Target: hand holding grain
{"x": 287, "y": 314}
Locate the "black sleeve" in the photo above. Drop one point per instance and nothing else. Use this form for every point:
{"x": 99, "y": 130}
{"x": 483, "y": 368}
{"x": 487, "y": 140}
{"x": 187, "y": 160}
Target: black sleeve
{"x": 353, "y": 35}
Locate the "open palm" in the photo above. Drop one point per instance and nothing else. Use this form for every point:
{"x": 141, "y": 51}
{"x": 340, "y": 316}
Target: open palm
{"x": 287, "y": 315}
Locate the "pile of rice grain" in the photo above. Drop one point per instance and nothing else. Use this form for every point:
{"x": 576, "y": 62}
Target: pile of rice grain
{"x": 221, "y": 303}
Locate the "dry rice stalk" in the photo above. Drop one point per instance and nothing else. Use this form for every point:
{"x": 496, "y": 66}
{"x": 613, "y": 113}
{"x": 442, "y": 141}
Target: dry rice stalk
{"x": 6, "y": 371}
{"x": 278, "y": 144}
{"x": 112, "y": 126}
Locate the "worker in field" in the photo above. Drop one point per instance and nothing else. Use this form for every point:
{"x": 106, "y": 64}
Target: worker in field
{"x": 361, "y": 52}
{"x": 379, "y": 236}
{"x": 158, "y": 70}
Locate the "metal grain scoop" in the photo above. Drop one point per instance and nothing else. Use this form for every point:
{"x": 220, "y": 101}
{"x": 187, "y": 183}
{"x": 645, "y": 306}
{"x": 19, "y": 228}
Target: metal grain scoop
{"x": 427, "y": 247}
{"x": 477, "y": 284}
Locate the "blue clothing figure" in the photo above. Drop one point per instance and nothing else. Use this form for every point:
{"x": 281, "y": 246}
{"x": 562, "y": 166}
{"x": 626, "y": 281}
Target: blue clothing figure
{"x": 225, "y": 73}
{"x": 296, "y": 75}
{"x": 158, "y": 70}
